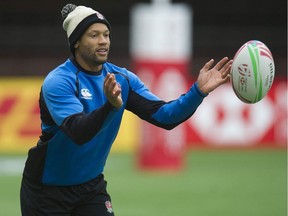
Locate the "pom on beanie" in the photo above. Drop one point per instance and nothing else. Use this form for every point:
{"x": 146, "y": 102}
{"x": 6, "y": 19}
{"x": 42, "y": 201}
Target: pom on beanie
{"x": 77, "y": 19}
{"x": 67, "y": 9}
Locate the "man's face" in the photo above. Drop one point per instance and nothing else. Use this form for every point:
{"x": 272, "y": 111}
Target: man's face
{"x": 93, "y": 46}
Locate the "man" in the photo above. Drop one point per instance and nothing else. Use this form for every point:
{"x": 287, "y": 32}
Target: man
{"x": 81, "y": 105}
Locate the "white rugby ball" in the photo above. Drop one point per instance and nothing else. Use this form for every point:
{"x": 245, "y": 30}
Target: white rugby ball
{"x": 252, "y": 71}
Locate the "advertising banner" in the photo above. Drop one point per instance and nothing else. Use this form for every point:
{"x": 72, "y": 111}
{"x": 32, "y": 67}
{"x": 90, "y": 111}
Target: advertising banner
{"x": 161, "y": 42}
{"x": 20, "y": 119}
{"x": 221, "y": 121}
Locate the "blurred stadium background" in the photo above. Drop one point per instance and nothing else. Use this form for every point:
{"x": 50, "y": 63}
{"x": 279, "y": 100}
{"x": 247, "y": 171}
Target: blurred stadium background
{"x": 234, "y": 159}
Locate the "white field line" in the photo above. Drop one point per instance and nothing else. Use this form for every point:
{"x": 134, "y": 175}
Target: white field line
{"x": 11, "y": 166}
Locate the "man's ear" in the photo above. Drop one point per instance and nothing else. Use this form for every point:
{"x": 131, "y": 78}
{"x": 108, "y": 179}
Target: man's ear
{"x": 76, "y": 45}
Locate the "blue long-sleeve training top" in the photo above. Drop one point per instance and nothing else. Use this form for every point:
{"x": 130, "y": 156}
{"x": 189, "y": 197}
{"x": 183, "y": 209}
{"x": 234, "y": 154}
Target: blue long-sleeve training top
{"x": 79, "y": 125}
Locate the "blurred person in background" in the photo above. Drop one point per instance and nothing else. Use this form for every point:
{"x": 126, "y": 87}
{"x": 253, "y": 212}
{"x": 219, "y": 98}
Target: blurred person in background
{"x": 81, "y": 106}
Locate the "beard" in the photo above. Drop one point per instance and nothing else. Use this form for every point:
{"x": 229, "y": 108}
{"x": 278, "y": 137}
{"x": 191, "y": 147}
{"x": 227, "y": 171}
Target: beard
{"x": 99, "y": 59}
{"x": 89, "y": 58}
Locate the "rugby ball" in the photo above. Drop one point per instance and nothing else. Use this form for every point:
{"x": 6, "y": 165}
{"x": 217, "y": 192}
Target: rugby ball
{"x": 252, "y": 71}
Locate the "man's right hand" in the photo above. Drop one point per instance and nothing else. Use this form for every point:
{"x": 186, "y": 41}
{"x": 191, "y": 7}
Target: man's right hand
{"x": 112, "y": 90}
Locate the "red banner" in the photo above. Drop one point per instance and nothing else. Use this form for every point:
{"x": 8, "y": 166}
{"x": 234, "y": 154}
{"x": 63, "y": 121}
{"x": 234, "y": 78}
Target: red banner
{"x": 223, "y": 120}
{"x": 159, "y": 148}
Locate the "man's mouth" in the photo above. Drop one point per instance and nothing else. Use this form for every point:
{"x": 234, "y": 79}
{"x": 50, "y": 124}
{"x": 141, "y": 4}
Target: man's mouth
{"x": 102, "y": 51}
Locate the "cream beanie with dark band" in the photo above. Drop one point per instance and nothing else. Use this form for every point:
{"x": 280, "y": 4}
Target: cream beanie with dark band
{"x": 77, "y": 19}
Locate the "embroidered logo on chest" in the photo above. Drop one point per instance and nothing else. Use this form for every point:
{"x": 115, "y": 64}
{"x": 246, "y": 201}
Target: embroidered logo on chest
{"x": 85, "y": 94}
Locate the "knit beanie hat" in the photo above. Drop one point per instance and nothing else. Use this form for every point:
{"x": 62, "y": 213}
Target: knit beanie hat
{"x": 77, "y": 19}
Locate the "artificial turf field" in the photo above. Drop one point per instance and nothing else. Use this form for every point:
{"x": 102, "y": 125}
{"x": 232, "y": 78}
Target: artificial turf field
{"x": 213, "y": 183}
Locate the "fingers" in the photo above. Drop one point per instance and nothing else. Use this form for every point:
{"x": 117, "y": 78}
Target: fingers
{"x": 220, "y": 64}
{"x": 224, "y": 66}
{"x": 225, "y": 71}
{"x": 108, "y": 80}
{"x": 112, "y": 89}
{"x": 208, "y": 65}
{"x": 110, "y": 83}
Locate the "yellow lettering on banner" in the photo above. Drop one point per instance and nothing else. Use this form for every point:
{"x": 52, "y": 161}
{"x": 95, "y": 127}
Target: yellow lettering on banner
{"x": 20, "y": 120}
{"x": 18, "y": 98}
